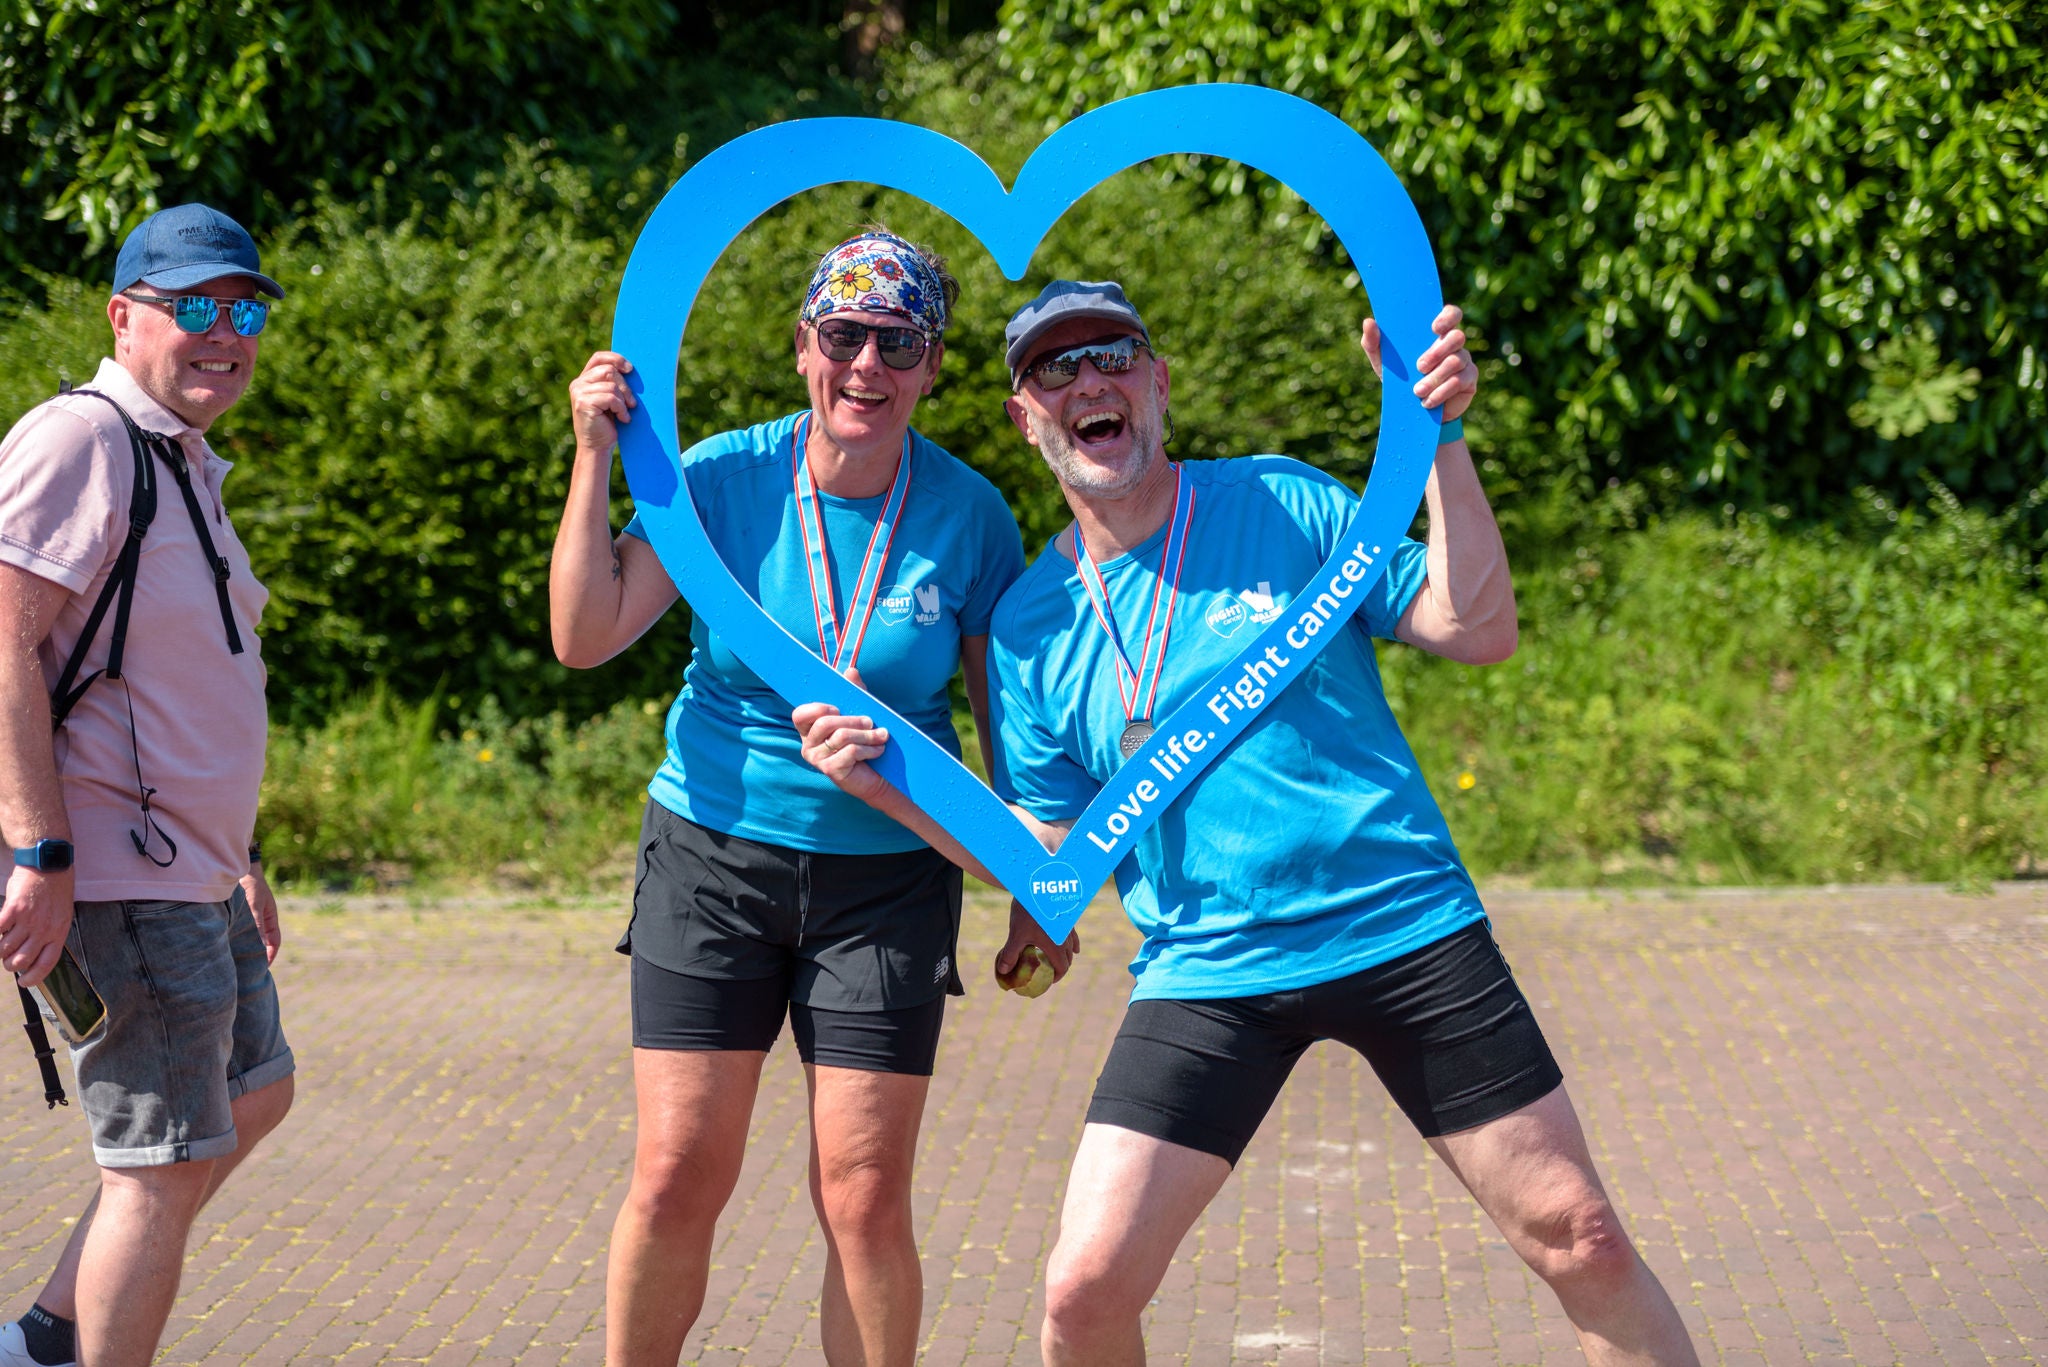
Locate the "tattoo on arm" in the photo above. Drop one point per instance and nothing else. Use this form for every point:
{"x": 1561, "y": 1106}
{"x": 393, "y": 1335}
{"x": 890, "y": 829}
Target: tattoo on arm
{"x": 618, "y": 566}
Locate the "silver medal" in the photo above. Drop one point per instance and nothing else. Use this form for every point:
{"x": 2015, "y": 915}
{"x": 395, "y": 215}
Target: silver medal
{"x": 1135, "y": 735}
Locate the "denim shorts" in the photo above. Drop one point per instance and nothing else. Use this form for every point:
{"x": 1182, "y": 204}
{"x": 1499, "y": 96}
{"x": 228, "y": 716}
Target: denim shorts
{"x": 192, "y": 1023}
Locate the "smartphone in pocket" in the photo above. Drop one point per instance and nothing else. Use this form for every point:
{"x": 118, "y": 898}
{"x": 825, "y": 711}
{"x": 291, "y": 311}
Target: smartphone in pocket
{"x": 70, "y": 1002}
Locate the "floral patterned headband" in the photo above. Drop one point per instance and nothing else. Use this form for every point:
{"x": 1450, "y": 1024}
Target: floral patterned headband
{"x": 878, "y": 273}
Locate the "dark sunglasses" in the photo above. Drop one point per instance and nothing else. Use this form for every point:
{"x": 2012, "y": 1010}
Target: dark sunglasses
{"x": 196, "y": 313}
{"x": 1058, "y": 370}
{"x": 842, "y": 339}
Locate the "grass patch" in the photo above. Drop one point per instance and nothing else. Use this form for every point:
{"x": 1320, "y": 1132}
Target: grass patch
{"x": 386, "y": 792}
{"x": 1726, "y": 701}
{"x": 1697, "y": 700}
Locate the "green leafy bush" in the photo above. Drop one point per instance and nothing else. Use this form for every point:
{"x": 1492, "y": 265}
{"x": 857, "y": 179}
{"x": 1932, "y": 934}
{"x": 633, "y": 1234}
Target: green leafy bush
{"x": 1260, "y": 331}
{"x": 1736, "y": 701}
{"x": 43, "y": 345}
{"x": 1699, "y": 697}
{"x": 111, "y": 108}
{"x": 1695, "y": 701}
{"x": 1681, "y": 223}
{"x": 380, "y": 791}
{"x": 404, "y": 455}
{"x": 102, "y": 102}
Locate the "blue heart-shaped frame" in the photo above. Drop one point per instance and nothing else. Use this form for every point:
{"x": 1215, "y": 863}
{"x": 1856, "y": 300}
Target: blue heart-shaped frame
{"x": 1331, "y": 167}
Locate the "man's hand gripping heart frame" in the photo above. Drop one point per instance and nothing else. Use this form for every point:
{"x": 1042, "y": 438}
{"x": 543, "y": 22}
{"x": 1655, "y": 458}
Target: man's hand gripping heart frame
{"x": 1331, "y": 167}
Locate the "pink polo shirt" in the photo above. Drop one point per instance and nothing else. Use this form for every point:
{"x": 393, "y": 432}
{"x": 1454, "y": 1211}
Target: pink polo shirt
{"x": 66, "y": 478}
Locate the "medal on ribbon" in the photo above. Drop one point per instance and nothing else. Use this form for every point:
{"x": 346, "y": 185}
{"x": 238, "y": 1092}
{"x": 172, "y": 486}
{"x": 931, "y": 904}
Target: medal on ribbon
{"x": 1137, "y": 685}
{"x": 839, "y": 645}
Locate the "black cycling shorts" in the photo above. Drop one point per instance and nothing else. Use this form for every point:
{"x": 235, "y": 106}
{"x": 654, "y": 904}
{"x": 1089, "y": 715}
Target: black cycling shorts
{"x": 728, "y": 934}
{"x": 1444, "y": 1026}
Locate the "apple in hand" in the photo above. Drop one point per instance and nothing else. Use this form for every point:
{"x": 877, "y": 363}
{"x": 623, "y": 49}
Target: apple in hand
{"x": 1032, "y": 975}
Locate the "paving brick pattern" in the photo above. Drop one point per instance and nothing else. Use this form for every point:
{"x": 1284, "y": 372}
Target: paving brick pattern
{"x": 1822, "y": 1115}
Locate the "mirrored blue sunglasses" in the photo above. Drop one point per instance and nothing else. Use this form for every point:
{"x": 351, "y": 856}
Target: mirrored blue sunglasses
{"x": 197, "y": 313}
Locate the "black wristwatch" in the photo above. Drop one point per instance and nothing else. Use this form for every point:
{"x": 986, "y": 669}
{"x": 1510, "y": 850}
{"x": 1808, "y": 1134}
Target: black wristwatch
{"x": 49, "y": 856}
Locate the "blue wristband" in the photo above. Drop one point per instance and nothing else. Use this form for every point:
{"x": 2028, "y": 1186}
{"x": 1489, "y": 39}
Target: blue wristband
{"x": 1454, "y": 430}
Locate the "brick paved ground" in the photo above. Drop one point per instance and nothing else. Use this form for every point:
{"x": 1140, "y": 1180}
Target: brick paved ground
{"x": 1822, "y": 1116}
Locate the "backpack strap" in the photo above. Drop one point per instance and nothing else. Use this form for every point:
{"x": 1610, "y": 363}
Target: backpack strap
{"x": 119, "y": 590}
{"x": 46, "y": 1057}
{"x": 181, "y": 470}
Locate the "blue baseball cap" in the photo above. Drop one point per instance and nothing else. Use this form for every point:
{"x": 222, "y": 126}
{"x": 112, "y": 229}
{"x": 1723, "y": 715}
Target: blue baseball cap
{"x": 187, "y": 245}
{"x": 1055, "y": 304}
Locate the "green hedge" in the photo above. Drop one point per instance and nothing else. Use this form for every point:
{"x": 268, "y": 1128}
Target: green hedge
{"x": 104, "y": 101}
{"x": 1696, "y": 700}
{"x": 402, "y": 458}
{"x": 403, "y": 455}
{"x": 1779, "y": 250}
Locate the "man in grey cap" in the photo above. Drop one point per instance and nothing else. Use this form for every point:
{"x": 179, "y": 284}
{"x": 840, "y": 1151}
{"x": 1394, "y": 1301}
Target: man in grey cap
{"x": 130, "y": 612}
{"x": 1304, "y": 887}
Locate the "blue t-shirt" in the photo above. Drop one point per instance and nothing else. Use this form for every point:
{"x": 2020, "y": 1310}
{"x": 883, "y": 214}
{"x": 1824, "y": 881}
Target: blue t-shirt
{"x": 734, "y": 762}
{"x": 1309, "y": 850}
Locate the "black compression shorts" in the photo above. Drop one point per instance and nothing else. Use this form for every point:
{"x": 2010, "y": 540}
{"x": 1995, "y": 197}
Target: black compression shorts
{"x": 1444, "y": 1026}
{"x": 728, "y": 934}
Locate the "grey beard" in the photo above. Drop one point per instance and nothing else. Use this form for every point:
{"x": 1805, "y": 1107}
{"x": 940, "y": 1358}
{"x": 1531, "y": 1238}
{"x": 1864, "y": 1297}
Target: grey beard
{"x": 1057, "y": 446}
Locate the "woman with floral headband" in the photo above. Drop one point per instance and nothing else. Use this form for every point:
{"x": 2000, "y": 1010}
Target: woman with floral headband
{"x": 761, "y": 888}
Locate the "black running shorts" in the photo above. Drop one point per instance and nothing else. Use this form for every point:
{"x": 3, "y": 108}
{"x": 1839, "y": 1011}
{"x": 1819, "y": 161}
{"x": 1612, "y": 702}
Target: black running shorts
{"x": 728, "y": 934}
{"x": 1444, "y": 1026}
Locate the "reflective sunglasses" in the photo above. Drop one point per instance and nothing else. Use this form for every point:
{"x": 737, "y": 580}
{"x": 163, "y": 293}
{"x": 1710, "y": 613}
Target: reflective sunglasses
{"x": 1058, "y": 370}
{"x": 842, "y": 339}
{"x": 196, "y": 313}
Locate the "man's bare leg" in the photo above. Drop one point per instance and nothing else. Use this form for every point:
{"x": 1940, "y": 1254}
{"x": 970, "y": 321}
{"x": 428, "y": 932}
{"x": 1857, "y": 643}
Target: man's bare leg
{"x": 863, "y": 1142}
{"x": 1130, "y": 1201}
{"x": 693, "y": 1108}
{"x": 256, "y": 1114}
{"x": 128, "y": 1270}
{"x": 59, "y": 1295}
{"x": 1532, "y": 1173}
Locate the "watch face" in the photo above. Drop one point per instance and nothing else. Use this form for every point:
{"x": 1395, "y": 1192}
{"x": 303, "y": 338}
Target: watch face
{"x": 50, "y": 856}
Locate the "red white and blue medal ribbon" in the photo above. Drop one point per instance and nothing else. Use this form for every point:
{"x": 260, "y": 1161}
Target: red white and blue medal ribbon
{"x": 1137, "y": 685}
{"x": 839, "y": 645}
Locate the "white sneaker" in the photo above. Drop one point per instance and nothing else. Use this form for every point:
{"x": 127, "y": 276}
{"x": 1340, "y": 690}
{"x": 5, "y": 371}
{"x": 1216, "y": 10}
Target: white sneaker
{"x": 14, "y": 1349}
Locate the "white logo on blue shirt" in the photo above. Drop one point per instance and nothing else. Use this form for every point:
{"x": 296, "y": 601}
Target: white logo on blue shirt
{"x": 1253, "y": 605}
{"x": 893, "y": 606}
{"x": 900, "y": 603}
{"x": 1264, "y": 606}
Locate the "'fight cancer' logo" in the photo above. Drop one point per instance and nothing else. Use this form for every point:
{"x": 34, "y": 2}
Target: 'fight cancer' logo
{"x": 898, "y": 603}
{"x": 1227, "y": 616}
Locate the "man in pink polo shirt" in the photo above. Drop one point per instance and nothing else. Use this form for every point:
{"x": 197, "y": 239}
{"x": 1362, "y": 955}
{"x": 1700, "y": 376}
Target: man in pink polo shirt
{"x": 132, "y": 828}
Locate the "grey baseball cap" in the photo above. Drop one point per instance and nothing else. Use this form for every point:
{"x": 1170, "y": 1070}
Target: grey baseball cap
{"x": 187, "y": 245}
{"x": 1060, "y": 301}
